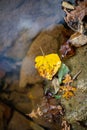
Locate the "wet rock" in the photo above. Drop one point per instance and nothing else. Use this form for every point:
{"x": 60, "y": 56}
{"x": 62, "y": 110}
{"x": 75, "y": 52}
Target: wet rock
{"x": 2, "y": 73}
{"x": 24, "y": 99}
{"x": 5, "y": 115}
{"x": 20, "y": 122}
{"x": 76, "y": 107}
{"x": 1, "y": 118}
{"x": 77, "y": 126}
{"x": 19, "y": 46}
{"x": 49, "y": 41}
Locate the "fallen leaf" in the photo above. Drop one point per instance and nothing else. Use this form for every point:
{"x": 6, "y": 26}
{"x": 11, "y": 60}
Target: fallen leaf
{"x": 67, "y": 5}
{"x": 68, "y": 94}
{"x": 67, "y": 50}
{"x": 67, "y": 79}
{"x": 55, "y": 84}
{"x": 62, "y": 72}
{"x": 78, "y": 39}
{"x": 33, "y": 114}
{"x": 39, "y": 112}
{"x": 65, "y": 125}
{"x": 75, "y": 16}
{"x": 47, "y": 65}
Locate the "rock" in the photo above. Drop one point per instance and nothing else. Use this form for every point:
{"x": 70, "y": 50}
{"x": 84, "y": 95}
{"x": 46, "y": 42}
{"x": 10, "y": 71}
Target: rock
{"x": 1, "y": 118}
{"x": 19, "y": 46}
{"x": 76, "y": 107}
{"x": 2, "y": 73}
{"x": 5, "y": 115}
{"x": 77, "y": 126}
{"x": 24, "y": 99}
{"x": 49, "y": 41}
{"x": 20, "y": 122}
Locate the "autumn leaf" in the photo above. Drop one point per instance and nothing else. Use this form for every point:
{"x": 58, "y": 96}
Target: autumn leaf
{"x": 68, "y": 94}
{"x": 47, "y": 65}
{"x": 33, "y": 114}
{"x": 67, "y": 79}
{"x": 67, "y": 89}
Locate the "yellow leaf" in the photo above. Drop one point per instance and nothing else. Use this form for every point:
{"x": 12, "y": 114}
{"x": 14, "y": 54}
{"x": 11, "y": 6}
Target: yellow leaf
{"x": 68, "y": 94}
{"x": 47, "y": 65}
{"x": 67, "y": 79}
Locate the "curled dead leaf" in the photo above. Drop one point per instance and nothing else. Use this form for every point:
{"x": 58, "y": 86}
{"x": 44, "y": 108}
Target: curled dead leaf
{"x": 78, "y": 39}
{"x": 74, "y": 18}
{"x": 67, "y": 5}
{"x": 66, "y": 50}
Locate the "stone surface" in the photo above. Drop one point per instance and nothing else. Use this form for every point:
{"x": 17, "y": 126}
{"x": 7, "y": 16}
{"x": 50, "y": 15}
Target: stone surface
{"x": 76, "y": 107}
{"x": 20, "y": 122}
{"x": 5, "y": 115}
{"x": 1, "y": 118}
{"x": 49, "y": 41}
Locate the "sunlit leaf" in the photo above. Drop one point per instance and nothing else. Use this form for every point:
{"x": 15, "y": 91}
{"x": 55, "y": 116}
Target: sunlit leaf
{"x": 47, "y": 65}
{"x": 62, "y": 72}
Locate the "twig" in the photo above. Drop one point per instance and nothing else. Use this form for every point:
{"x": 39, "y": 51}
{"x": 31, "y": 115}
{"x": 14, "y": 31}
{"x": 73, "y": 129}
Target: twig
{"x": 42, "y": 51}
{"x": 76, "y": 75}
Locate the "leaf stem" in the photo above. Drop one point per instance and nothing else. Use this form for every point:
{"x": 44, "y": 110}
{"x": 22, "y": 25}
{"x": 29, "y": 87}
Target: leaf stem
{"x": 42, "y": 51}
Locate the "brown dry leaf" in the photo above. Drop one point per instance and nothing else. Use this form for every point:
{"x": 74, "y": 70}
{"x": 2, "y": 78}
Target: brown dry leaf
{"x": 67, "y": 5}
{"x": 78, "y": 39}
{"x": 76, "y": 16}
{"x": 66, "y": 50}
{"x": 33, "y": 114}
{"x": 65, "y": 125}
{"x": 39, "y": 112}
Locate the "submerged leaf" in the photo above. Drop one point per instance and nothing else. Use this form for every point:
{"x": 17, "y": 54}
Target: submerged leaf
{"x": 47, "y": 65}
{"x": 62, "y": 72}
{"x": 33, "y": 114}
